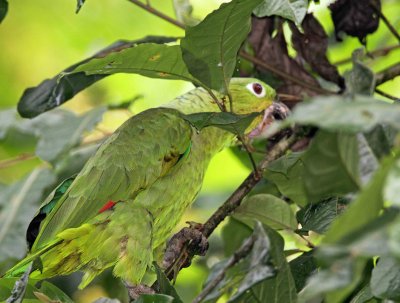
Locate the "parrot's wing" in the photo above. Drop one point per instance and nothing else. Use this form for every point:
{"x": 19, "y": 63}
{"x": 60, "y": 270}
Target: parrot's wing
{"x": 143, "y": 149}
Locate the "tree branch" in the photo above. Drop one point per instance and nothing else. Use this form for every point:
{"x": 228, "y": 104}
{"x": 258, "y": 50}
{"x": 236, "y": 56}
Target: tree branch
{"x": 385, "y": 20}
{"x": 382, "y": 93}
{"x": 388, "y": 74}
{"x": 375, "y": 53}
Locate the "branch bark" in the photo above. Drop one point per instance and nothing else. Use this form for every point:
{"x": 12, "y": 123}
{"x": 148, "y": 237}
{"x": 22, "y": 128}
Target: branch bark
{"x": 388, "y": 74}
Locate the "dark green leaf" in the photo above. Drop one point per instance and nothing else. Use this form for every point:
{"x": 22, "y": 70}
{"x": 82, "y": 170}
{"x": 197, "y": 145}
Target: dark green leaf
{"x": 260, "y": 267}
{"x": 236, "y": 124}
{"x": 365, "y": 208}
{"x": 286, "y": 173}
{"x": 364, "y": 296}
{"x": 233, "y": 234}
{"x": 210, "y": 48}
{"x": 267, "y": 209}
{"x": 147, "y": 59}
{"x": 3, "y": 9}
{"x": 331, "y": 165}
{"x": 280, "y": 288}
{"x": 294, "y": 10}
{"x": 56, "y": 294}
{"x": 54, "y": 92}
{"x": 380, "y": 140}
{"x": 318, "y": 217}
{"x": 156, "y": 298}
{"x": 18, "y": 203}
{"x": 361, "y": 79}
{"x": 165, "y": 286}
{"x": 385, "y": 280}
{"x": 301, "y": 268}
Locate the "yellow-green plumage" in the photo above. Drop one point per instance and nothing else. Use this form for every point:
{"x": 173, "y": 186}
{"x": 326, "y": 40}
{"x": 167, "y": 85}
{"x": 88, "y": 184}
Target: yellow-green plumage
{"x": 152, "y": 167}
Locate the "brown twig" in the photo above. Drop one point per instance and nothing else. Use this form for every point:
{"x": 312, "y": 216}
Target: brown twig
{"x": 385, "y": 20}
{"x": 376, "y": 53}
{"x": 382, "y": 93}
{"x": 388, "y": 74}
{"x": 241, "y": 253}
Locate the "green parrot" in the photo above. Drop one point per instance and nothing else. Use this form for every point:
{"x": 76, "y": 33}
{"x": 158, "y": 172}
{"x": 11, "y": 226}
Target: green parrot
{"x": 121, "y": 208}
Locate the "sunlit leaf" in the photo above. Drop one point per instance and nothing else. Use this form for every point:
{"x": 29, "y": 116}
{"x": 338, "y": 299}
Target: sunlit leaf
{"x": 210, "y": 48}
{"x": 18, "y": 203}
{"x": 294, "y": 10}
{"x": 267, "y": 209}
{"x": 331, "y": 165}
{"x": 57, "y": 90}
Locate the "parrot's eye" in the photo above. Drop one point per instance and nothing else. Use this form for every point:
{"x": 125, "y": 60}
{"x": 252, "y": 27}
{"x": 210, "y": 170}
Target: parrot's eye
{"x": 256, "y": 89}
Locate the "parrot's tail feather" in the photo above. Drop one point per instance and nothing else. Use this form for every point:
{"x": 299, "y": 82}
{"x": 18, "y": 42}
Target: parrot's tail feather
{"x": 18, "y": 269}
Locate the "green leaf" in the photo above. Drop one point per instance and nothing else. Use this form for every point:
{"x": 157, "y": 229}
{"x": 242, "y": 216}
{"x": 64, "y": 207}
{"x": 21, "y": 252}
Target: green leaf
{"x": 236, "y": 124}
{"x": 364, "y": 296}
{"x": 210, "y": 48}
{"x": 260, "y": 267}
{"x": 233, "y": 234}
{"x": 7, "y": 120}
{"x": 56, "y": 294}
{"x": 361, "y": 79}
{"x": 7, "y": 284}
{"x": 3, "y": 9}
{"x": 368, "y": 162}
{"x": 165, "y": 286}
{"x": 147, "y": 59}
{"x": 183, "y": 11}
{"x": 286, "y": 173}
{"x": 294, "y": 10}
{"x": 336, "y": 113}
{"x": 385, "y": 280}
{"x": 391, "y": 187}
{"x": 365, "y": 208}
{"x": 301, "y": 268}
{"x": 156, "y": 298}
{"x": 380, "y": 140}
{"x": 331, "y": 165}
{"x": 318, "y": 217}
{"x": 280, "y": 288}
{"x": 18, "y": 204}
{"x": 267, "y": 209}
{"x": 60, "y": 130}
{"x": 53, "y": 92}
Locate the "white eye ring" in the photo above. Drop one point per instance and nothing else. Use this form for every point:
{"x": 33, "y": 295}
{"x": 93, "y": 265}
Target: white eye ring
{"x": 256, "y": 89}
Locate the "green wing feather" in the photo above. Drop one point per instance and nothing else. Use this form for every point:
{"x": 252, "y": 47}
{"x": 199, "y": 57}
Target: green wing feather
{"x": 142, "y": 150}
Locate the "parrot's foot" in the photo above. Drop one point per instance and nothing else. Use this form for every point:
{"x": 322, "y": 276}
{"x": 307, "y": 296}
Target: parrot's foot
{"x": 135, "y": 291}
{"x": 189, "y": 235}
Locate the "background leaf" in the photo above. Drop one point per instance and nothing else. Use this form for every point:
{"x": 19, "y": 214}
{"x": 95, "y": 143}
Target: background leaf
{"x": 294, "y": 10}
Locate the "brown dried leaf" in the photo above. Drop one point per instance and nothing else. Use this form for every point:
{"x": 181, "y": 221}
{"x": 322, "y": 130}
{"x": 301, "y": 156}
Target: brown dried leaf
{"x": 273, "y": 50}
{"x": 357, "y": 18}
{"x": 312, "y": 46}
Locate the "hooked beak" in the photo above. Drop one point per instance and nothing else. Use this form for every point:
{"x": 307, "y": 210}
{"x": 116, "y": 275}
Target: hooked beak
{"x": 276, "y": 111}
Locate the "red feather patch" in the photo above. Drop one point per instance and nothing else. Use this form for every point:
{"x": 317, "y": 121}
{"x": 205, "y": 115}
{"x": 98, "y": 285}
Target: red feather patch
{"x": 110, "y": 204}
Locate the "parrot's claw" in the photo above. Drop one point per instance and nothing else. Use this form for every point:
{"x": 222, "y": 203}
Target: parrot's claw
{"x": 135, "y": 291}
{"x": 193, "y": 235}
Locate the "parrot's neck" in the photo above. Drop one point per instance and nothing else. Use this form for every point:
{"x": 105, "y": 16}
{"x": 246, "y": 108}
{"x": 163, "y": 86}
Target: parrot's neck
{"x": 211, "y": 139}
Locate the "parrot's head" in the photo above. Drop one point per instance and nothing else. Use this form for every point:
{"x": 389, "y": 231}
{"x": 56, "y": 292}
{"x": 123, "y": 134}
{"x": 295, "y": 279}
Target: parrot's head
{"x": 252, "y": 95}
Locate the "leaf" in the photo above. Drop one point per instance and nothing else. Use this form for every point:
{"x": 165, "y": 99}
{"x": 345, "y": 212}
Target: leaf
{"x": 364, "y": 296}
{"x": 106, "y": 300}
{"x": 183, "y": 11}
{"x": 236, "y": 124}
{"x": 7, "y": 284}
{"x": 165, "y": 286}
{"x": 361, "y": 79}
{"x": 365, "y": 208}
{"x": 156, "y": 298}
{"x": 301, "y": 268}
{"x": 233, "y": 234}
{"x": 210, "y": 48}
{"x": 286, "y": 173}
{"x": 294, "y": 10}
{"x": 331, "y": 165}
{"x": 380, "y": 140}
{"x": 18, "y": 291}
{"x": 18, "y": 203}
{"x": 55, "y": 293}
{"x": 57, "y": 90}
{"x": 360, "y": 114}
{"x": 267, "y": 209}
{"x": 260, "y": 263}
{"x": 357, "y": 19}
{"x": 282, "y": 287}
{"x": 385, "y": 280}
{"x": 318, "y": 217}
{"x": 147, "y": 59}
{"x": 61, "y": 130}
{"x": 7, "y": 119}
{"x": 368, "y": 162}
{"x": 3, "y": 9}
{"x": 391, "y": 187}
